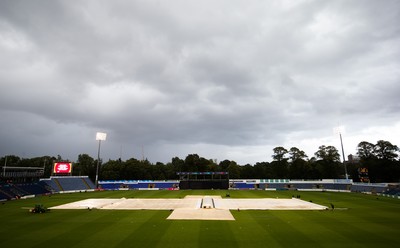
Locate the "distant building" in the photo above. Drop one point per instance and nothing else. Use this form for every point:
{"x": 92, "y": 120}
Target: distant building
{"x": 353, "y": 159}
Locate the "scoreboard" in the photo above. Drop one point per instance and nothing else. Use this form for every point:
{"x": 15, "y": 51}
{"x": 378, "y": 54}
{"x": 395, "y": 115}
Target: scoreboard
{"x": 62, "y": 168}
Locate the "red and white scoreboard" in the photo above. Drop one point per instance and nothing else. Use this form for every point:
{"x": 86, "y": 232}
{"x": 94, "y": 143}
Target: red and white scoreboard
{"x": 62, "y": 168}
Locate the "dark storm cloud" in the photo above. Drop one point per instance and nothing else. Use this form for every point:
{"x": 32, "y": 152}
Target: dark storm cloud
{"x": 229, "y": 79}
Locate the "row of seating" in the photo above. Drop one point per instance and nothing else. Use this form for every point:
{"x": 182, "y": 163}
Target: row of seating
{"x": 12, "y": 191}
{"x": 58, "y": 184}
{"x": 312, "y": 186}
{"x": 139, "y": 185}
{"x": 393, "y": 192}
{"x": 368, "y": 188}
{"x": 44, "y": 186}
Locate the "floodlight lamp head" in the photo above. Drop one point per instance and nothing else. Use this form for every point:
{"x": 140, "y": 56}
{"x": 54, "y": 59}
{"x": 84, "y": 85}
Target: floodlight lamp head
{"x": 338, "y": 130}
{"x": 101, "y": 136}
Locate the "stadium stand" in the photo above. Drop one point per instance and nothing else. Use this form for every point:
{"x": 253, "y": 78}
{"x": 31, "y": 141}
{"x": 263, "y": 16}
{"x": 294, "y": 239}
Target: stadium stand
{"x": 3, "y": 196}
{"x": 369, "y": 187}
{"x": 5, "y": 193}
{"x": 141, "y": 184}
{"x": 242, "y": 185}
{"x": 286, "y": 184}
{"x": 10, "y": 191}
{"x": 88, "y": 183}
{"x": 32, "y": 189}
{"x": 59, "y": 184}
{"x": 54, "y": 187}
{"x": 69, "y": 183}
{"x": 392, "y": 192}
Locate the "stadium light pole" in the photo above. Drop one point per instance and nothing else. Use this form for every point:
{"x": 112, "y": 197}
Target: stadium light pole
{"x": 339, "y": 130}
{"x": 4, "y": 167}
{"x": 99, "y": 137}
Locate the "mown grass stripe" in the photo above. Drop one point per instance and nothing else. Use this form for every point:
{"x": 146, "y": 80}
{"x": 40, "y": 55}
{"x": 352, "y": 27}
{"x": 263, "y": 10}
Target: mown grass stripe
{"x": 149, "y": 232}
{"x": 26, "y": 228}
{"x": 181, "y": 233}
{"x": 217, "y": 234}
{"x": 307, "y": 231}
{"x": 282, "y": 230}
{"x": 250, "y": 233}
{"x": 350, "y": 224}
{"x": 76, "y": 229}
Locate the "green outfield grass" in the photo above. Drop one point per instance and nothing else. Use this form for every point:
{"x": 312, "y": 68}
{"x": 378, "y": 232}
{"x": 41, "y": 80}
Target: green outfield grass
{"x": 357, "y": 221}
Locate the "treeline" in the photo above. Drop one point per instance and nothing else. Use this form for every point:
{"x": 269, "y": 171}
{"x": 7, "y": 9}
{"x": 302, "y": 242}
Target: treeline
{"x": 380, "y": 160}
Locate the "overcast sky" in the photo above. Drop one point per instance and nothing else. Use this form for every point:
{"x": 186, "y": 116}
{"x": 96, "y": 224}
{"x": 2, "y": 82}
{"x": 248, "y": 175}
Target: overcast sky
{"x": 224, "y": 79}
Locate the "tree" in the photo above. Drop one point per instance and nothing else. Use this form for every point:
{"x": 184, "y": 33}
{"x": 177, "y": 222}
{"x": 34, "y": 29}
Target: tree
{"x": 159, "y": 171}
{"x": 385, "y": 150}
{"x": 134, "y": 169}
{"x": 247, "y": 172}
{"x": 328, "y": 162}
{"x": 234, "y": 170}
{"x": 212, "y": 166}
{"x": 203, "y": 164}
{"x": 85, "y": 166}
{"x": 328, "y": 153}
{"x": 299, "y": 167}
{"x": 192, "y": 162}
{"x": 295, "y": 154}
{"x": 231, "y": 167}
{"x": 279, "y": 153}
{"x": 280, "y": 164}
{"x": 11, "y": 160}
{"x": 224, "y": 165}
{"x": 48, "y": 165}
{"x": 365, "y": 150}
{"x": 380, "y": 159}
{"x": 261, "y": 169}
{"x": 111, "y": 170}
{"x": 178, "y": 164}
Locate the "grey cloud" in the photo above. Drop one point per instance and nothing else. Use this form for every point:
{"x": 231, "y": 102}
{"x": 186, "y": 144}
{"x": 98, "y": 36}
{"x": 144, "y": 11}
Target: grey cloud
{"x": 227, "y": 74}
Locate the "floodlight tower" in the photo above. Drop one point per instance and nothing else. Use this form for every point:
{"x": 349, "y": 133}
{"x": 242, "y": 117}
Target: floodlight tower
{"x": 339, "y": 130}
{"x": 4, "y": 167}
{"x": 99, "y": 137}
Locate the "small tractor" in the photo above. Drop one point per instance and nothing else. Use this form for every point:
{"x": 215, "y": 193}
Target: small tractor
{"x": 39, "y": 209}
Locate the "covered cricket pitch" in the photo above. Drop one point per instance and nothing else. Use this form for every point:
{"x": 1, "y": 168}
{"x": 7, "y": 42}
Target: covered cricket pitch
{"x": 194, "y": 207}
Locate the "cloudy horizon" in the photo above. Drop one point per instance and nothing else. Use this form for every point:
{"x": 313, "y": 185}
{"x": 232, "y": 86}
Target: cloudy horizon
{"x": 222, "y": 79}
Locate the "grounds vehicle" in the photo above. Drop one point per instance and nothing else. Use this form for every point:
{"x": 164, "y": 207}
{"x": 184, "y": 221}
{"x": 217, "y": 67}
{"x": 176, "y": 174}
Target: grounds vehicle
{"x": 39, "y": 208}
